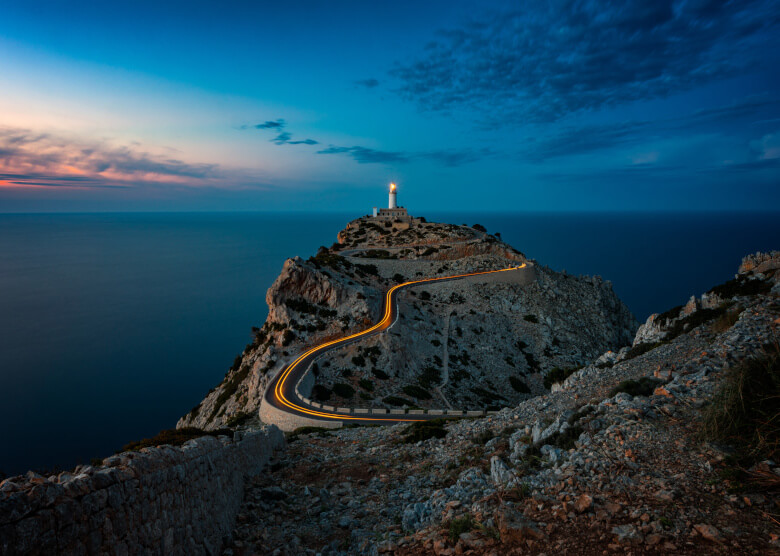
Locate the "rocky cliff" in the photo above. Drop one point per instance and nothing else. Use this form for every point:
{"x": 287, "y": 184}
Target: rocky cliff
{"x": 667, "y": 446}
{"x": 466, "y": 345}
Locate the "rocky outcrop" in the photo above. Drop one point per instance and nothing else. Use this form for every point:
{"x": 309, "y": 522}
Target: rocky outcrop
{"x": 552, "y": 320}
{"x": 163, "y": 500}
{"x": 591, "y": 468}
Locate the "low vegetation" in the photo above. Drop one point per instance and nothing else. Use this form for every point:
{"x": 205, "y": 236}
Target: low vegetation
{"x": 417, "y": 392}
{"x": 558, "y": 374}
{"x": 642, "y": 387}
{"x": 745, "y": 412}
{"x": 519, "y": 385}
{"x": 174, "y": 437}
{"x": 343, "y": 390}
{"x": 423, "y": 430}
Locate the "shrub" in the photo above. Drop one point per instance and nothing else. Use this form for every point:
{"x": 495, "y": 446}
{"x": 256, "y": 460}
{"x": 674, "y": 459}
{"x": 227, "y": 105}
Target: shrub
{"x": 287, "y": 337}
{"x": 429, "y": 377}
{"x": 519, "y": 385}
{"x": 343, "y": 390}
{"x": 399, "y": 278}
{"x": 745, "y": 412}
{"x": 423, "y": 430}
{"x": 726, "y": 320}
{"x": 531, "y": 318}
{"x": 359, "y": 361}
{"x": 641, "y": 349}
{"x": 417, "y": 392}
{"x": 435, "y": 342}
{"x": 642, "y": 387}
{"x": 741, "y": 286}
{"x": 239, "y": 419}
{"x": 558, "y": 374}
{"x": 381, "y": 375}
{"x": 424, "y": 295}
{"x": 366, "y": 384}
{"x": 320, "y": 393}
{"x": 174, "y": 437}
{"x": 479, "y": 228}
{"x": 460, "y": 525}
{"x": 396, "y": 401}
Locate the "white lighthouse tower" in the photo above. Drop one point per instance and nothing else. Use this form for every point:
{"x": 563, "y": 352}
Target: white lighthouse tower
{"x": 392, "y": 202}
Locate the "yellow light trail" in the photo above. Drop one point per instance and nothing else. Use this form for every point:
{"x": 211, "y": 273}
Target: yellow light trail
{"x": 279, "y": 389}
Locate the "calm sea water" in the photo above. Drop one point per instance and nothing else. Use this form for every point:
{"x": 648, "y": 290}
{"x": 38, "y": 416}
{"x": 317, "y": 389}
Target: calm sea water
{"x": 114, "y": 325}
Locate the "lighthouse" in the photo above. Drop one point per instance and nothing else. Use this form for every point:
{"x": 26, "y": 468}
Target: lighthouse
{"x": 393, "y": 216}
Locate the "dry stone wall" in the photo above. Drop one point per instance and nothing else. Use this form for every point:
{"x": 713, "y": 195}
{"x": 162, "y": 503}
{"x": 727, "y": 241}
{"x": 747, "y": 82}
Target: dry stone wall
{"x": 163, "y": 500}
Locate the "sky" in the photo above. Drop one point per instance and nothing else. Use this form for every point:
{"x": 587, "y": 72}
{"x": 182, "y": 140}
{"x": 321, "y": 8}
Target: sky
{"x": 312, "y": 105}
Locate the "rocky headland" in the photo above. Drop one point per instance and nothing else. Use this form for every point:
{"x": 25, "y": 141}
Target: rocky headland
{"x": 604, "y": 436}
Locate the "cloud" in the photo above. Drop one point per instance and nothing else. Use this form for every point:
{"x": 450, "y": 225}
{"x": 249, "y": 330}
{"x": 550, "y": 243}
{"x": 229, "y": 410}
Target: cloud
{"x": 364, "y": 155}
{"x": 732, "y": 118}
{"x": 367, "y": 83}
{"x": 269, "y": 124}
{"x": 28, "y": 158}
{"x": 447, "y": 157}
{"x": 285, "y": 138}
{"x": 554, "y": 59}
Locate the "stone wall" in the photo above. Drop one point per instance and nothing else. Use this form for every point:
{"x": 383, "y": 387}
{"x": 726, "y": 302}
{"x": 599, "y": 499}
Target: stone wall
{"x": 163, "y": 500}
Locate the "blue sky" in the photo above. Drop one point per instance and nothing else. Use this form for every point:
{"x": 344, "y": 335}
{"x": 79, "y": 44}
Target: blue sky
{"x": 318, "y": 105}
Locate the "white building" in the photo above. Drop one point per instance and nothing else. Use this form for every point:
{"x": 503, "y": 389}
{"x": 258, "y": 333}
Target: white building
{"x": 393, "y": 211}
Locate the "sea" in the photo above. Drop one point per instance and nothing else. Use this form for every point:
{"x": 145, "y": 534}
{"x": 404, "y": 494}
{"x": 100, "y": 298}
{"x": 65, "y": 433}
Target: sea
{"x": 112, "y": 326}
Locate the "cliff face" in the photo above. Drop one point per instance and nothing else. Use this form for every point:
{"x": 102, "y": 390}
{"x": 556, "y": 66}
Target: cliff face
{"x": 613, "y": 460}
{"x": 464, "y": 344}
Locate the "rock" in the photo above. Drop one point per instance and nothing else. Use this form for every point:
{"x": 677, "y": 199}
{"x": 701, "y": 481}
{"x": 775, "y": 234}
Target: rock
{"x": 709, "y": 532}
{"x": 500, "y": 474}
{"x": 627, "y": 534}
{"x": 514, "y": 528}
{"x": 583, "y": 503}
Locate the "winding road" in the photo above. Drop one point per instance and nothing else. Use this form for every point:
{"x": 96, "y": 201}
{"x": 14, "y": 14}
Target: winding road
{"x": 281, "y": 392}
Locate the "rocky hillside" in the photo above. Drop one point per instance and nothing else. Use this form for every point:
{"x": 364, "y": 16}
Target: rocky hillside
{"x": 669, "y": 446}
{"x": 464, "y": 345}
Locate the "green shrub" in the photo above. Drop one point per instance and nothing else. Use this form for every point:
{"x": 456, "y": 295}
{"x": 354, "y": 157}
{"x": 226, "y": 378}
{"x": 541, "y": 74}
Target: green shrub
{"x": 642, "y": 387}
{"x": 429, "y": 377}
{"x": 745, "y": 412}
{"x": 417, "y": 392}
{"x": 558, "y": 374}
{"x": 366, "y": 384}
{"x": 424, "y": 295}
{"x": 320, "y": 393}
{"x": 398, "y": 278}
{"x": 343, "y": 390}
{"x": 741, "y": 286}
{"x": 359, "y": 361}
{"x": 479, "y": 228}
{"x": 239, "y": 419}
{"x": 463, "y": 524}
{"x": 174, "y": 437}
{"x": 531, "y": 318}
{"x": 396, "y": 401}
{"x": 381, "y": 375}
{"x": 641, "y": 349}
{"x": 423, "y": 430}
{"x": 287, "y": 337}
{"x": 518, "y": 385}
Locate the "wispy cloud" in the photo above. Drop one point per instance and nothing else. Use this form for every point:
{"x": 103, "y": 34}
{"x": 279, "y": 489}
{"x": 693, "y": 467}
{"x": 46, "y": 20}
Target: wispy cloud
{"x": 367, "y": 83}
{"x": 364, "y": 155}
{"x": 557, "y": 58}
{"x": 734, "y": 118}
{"x": 34, "y": 159}
{"x": 283, "y": 137}
{"x": 269, "y": 124}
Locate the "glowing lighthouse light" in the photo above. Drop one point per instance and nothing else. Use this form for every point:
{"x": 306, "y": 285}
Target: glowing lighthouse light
{"x": 392, "y": 204}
